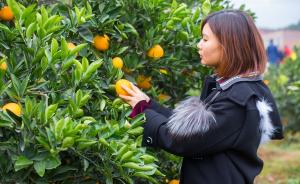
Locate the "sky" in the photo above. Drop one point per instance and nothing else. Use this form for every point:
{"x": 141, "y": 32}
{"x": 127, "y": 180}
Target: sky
{"x": 273, "y": 14}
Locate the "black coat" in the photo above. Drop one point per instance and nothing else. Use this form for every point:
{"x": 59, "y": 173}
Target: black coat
{"x": 218, "y": 133}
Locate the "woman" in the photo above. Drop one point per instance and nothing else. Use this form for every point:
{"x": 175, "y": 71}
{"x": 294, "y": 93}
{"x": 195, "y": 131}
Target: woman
{"x": 218, "y": 133}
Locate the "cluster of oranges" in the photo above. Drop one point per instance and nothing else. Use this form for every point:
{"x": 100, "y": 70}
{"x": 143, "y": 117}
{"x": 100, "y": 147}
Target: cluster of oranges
{"x": 7, "y": 15}
{"x": 101, "y": 43}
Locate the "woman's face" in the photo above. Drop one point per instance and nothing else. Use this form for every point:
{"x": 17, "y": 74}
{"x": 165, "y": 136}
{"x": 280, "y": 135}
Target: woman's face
{"x": 209, "y": 48}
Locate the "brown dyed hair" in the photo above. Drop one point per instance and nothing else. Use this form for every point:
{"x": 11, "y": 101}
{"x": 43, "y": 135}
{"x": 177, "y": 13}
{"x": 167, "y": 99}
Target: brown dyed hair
{"x": 243, "y": 49}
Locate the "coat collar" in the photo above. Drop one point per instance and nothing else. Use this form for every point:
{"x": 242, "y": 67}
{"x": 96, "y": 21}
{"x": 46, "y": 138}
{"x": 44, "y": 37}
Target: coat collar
{"x": 239, "y": 78}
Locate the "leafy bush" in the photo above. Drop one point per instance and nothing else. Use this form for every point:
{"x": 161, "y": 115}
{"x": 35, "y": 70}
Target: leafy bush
{"x": 284, "y": 83}
{"x": 72, "y": 127}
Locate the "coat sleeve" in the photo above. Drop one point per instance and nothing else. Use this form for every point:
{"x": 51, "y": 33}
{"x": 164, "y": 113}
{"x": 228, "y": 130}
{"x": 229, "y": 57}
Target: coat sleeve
{"x": 194, "y": 131}
{"x": 167, "y": 112}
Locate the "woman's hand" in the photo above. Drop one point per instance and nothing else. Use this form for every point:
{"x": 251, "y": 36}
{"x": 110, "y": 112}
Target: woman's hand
{"x": 136, "y": 95}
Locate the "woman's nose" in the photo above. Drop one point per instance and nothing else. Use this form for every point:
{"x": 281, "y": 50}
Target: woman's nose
{"x": 199, "y": 45}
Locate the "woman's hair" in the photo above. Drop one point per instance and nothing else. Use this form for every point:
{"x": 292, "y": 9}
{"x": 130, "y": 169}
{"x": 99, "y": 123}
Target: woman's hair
{"x": 243, "y": 49}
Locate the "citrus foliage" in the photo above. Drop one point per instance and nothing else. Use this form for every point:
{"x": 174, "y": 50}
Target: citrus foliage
{"x": 57, "y": 65}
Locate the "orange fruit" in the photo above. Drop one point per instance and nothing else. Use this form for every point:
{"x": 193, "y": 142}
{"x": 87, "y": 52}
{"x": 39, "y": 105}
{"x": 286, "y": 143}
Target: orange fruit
{"x": 163, "y": 97}
{"x": 119, "y": 89}
{"x": 127, "y": 70}
{"x": 156, "y": 52}
{"x": 174, "y": 182}
{"x": 117, "y": 62}
{"x": 3, "y": 66}
{"x": 101, "y": 42}
{"x": 143, "y": 82}
{"x": 71, "y": 45}
{"x": 6, "y": 14}
{"x": 13, "y": 107}
{"x": 266, "y": 82}
{"x": 163, "y": 71}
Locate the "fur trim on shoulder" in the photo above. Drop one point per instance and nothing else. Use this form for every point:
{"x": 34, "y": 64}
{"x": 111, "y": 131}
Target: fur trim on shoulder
{"x": 266, "y": 127}
{"x": 190, "y": 118}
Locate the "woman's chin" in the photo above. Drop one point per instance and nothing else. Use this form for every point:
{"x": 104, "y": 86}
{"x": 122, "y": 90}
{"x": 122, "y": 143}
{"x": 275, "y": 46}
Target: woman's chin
{"x": 203, "y": 63}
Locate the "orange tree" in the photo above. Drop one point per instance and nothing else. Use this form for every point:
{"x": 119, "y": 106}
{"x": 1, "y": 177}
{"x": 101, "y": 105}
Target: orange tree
{"x": 60, "y": 119}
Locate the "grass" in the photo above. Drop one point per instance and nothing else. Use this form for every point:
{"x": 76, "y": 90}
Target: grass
{"x": 281, "y": 162}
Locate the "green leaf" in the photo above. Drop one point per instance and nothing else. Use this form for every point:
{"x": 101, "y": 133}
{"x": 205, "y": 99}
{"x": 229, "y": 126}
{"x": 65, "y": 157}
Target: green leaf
{"x": 52, "y": 162}
{"x": 24, "y": 85}
{"x": 31, "y": 29}
{"x": 196, "y": 14}
{"x": 85, "y": 63}
{"x": 130, "y": 28}
{"x": 136, "y": 131}
{"x": 78, "y": 97}
{"x": 68, "y": 142}
{"x": 29, "y": 11}
{"x": 91, "y": 69}
{"x": 54, "y": 46}
{"x": 78, "y": 48}
{"x": 84, "y": 99}
{"x": 102, "y": 104}
{"x": 64, "y": 47}
{"x": 16, "y": 84}
{"x": 50, "y": 111}
{"x": 44, "y": 14}
{"x": 16, "y": 9}
{"x": 181, "y": 7}
{"x": 86, "y": 34}
{"x": 206, "y": 7}
{"x": 52, "y": 21}
{"x": 59, "y": 126}
{"x": 137, "y": 121}
{"x": 121, "y": 50}
{"x": 43, "y": 142}
{"x": 40, "y": 167}
{"x": 22, "y": 162}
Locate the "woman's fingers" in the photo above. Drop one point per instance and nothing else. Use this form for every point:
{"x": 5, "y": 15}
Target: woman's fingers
{"x": 136, "y": 89}
{"x": 128, "y": 98}
{"x": 132, "y": 93}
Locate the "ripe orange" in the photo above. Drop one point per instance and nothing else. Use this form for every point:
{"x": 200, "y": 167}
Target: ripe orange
{"x": 143, "y": 82}
{"x": 117, "y": 62}
{"x": 101, "y": 42}
{"x": 127, "y": 70}
{"x": 6, "y": 14}
{"x": 13, "y": 107}
{"x": 266, "y": 82}
{"x": 163, "y": 71}
{"x": 71, "y": 45}
{"x": 119, "y": 89}
{"x": 156, "y": 52}
{"x": 174, "y": 182}
{"x": 163, "y": 97}
{"x": 3, "y": 66}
